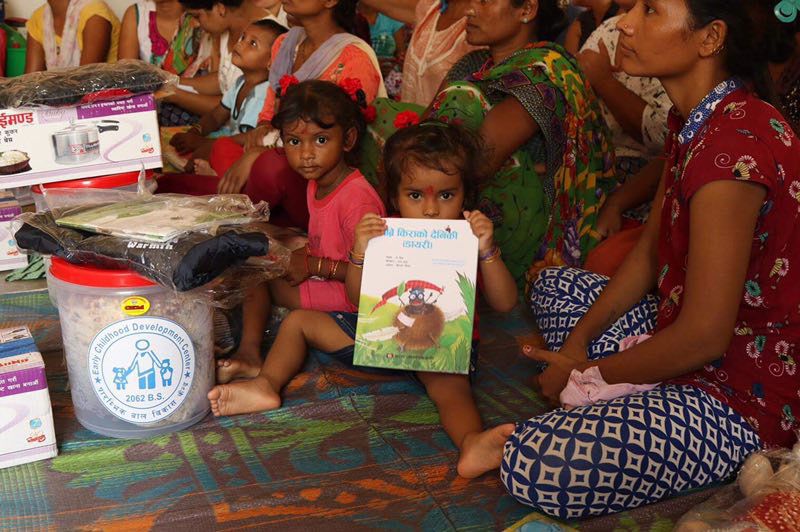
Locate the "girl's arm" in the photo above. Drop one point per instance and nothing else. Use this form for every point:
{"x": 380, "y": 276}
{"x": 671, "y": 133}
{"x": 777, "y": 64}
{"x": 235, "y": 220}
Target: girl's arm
{"x": 34, "y": 56}
{"x": 500, "y": 290}
{"x": 627, "y": 107}
{"x": 400, "y": 45}
{"x": 370, "y": 226}
{"x": 506, "y": 127}
{"x": 96, "y": 40}
{"x": 128, "y": 36}
{"x": 402, "y": 10}
{"x": 638, "y": 189}
{"x": 573, "y": 37}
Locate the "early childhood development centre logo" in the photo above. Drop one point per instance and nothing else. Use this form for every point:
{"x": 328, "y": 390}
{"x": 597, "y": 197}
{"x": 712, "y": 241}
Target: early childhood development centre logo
{"x": 142, "y": 368}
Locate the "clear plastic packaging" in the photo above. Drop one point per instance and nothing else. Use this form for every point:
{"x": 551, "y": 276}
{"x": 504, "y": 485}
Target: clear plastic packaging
{"x": 85, "y": 84}
{"x": 147, "y": 217}
{"x": 765, "y": 497}
{"x": 219, "y": 259}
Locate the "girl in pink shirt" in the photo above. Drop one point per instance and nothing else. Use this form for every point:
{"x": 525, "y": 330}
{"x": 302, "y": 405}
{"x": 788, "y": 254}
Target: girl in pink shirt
{"x": 321, "y": 125}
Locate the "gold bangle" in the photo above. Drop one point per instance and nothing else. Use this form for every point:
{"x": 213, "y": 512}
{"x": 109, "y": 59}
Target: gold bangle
{"x": 197, "y": 128}
{"x": 492, "y": 256}
{"x": 319, "y": 267}
{"x": 333, "y": 270}
{"x": 357, "y": 256}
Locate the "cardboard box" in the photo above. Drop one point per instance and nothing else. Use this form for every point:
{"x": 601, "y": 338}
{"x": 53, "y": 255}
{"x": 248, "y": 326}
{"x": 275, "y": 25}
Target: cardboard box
{"x": 26, "y": 417}
{"x": 10, "y": 256}
{"x": 90, "y": 140}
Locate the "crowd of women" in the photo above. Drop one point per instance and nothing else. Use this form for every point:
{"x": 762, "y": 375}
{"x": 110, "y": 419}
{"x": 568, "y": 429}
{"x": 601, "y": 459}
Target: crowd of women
{"x": 641, "y": 182}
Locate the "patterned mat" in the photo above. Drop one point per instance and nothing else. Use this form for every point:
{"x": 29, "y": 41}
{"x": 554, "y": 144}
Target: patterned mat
{"x": 349, "y": 451}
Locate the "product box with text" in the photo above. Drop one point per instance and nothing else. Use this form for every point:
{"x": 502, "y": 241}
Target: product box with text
{"x": 26, "y": 417}
{"x": 45, "y": 145}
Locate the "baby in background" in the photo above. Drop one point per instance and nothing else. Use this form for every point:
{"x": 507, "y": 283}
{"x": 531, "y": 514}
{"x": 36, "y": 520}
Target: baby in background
{"x": 238, "y": 112}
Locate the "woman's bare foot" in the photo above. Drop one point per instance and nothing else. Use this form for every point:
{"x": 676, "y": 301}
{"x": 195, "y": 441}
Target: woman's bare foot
{"x": 483, "y": 451}
{"x": 243, "y": 397}
{"x": 243, "y": 364}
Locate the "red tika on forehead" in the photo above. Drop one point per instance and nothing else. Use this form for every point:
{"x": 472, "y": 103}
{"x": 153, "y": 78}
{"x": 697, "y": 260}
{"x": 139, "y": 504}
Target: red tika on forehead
{"x": 429, "y": 191}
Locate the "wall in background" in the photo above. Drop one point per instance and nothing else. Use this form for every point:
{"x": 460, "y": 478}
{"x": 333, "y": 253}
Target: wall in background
{"x": 24, "y": 8}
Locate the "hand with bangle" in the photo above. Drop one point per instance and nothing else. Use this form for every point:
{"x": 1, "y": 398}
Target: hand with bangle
{"x": 298, "y": 270}
{"x": 483, "y": 229}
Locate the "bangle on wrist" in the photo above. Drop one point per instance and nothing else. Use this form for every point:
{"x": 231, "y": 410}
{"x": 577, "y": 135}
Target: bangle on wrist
{"x": 356, "y": 259}
{"x": 197, "y": 128}
{"x": 334, "y": 268}
{"x": 490, "y": 256}
{"x": 319, "y": 266}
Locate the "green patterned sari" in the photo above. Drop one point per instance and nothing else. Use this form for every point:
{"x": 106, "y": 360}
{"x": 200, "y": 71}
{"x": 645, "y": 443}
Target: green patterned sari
{"x": 545, "y": 199}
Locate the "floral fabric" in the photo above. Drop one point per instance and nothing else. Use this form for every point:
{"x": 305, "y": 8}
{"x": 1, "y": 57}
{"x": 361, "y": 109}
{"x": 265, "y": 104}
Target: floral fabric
{"x": 544, "y": 200}
{"x": 732, "y": 135}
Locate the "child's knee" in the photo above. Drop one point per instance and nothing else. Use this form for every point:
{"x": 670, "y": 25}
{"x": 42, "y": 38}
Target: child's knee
{"x": 444, "y": 385}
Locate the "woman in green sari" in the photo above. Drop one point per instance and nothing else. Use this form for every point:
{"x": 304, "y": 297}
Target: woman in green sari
{"x": 548, "y": 151}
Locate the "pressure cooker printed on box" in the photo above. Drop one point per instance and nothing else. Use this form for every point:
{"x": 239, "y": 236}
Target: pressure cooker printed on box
{"x": 43, "y": 145}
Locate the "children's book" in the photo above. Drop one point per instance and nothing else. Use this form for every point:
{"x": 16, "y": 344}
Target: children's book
{"x": 417, "y": 304}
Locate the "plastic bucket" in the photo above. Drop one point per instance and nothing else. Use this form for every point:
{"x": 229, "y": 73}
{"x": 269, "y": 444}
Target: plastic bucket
{"x": 125, "y": 181}
{"x": 140, "y": 358}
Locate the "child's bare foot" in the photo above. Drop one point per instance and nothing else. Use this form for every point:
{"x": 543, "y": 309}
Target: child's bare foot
{"x": 244, "y": 364}
{"x": 229, "y": 369}
{"x": 203, "y": 167}
{"x": 483, "y": 451}
{"x": 243, "y": 397}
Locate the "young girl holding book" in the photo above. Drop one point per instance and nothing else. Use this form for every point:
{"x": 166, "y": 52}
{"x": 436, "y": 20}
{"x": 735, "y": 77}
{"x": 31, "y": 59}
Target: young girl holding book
{"x": 431, "y": 173}
{"x": 321, "y": 126}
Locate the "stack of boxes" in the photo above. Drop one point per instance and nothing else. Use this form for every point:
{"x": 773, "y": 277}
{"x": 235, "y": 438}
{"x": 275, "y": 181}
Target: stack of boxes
{"x": 26, "y": 417}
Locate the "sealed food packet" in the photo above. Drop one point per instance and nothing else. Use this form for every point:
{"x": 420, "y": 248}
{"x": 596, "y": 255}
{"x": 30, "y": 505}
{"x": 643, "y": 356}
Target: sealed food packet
{"x": 766, "y": 496}
{"x": 85, "y": 84}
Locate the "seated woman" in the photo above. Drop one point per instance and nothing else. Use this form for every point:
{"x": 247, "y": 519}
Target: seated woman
{"x": 549, "y": 152}
{"x": 70, "y": 33}
{"x": 318, "y": 47}
{"x": 163, "y": 34}
{"x": 720, "y": 249}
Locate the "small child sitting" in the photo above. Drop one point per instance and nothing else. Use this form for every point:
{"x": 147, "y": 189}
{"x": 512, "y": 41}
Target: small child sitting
{"x": 238, "y": 112}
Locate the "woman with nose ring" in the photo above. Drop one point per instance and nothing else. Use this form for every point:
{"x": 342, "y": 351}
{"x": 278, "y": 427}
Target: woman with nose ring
{"x": 549, "y": 159}
{"x": 709, "y": 373}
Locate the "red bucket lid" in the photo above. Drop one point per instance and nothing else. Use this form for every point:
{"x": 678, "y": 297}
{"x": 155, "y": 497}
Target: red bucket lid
{"x": 96, "y": 277}
{"x": 103, "y": 181}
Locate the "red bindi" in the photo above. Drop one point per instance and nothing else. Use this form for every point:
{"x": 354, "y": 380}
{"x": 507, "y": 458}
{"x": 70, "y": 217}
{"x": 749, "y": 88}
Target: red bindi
{"x": 429, "y": 191}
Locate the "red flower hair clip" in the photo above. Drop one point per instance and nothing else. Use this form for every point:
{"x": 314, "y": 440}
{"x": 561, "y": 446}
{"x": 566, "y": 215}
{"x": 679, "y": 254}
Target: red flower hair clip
{"x": 285, "y": 82}
{"x": 351, "y": 86}
{"x": 406, "y": 119}
{"x": 370, "y": 113}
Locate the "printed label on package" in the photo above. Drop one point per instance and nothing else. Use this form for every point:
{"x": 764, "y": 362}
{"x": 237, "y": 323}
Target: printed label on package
{"x": 142, "y": 368}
